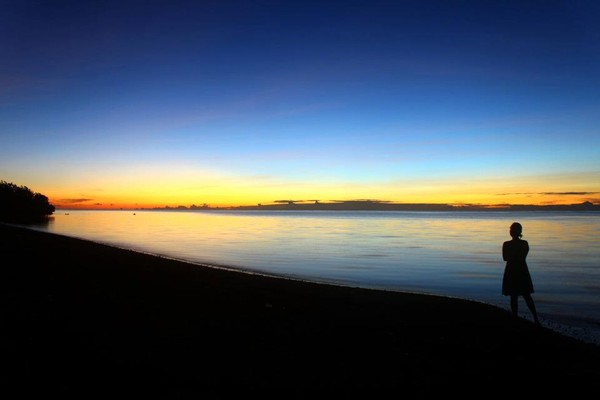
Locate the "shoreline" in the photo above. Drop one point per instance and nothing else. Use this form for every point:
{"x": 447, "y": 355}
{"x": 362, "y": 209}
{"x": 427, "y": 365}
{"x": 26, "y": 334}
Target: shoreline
{"x": 86, "y": 317}
{"x": 577, "y": 328}
{"x": 568, "y": 320}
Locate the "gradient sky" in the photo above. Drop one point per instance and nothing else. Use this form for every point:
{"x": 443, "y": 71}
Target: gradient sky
{"x": 154, "y": 103}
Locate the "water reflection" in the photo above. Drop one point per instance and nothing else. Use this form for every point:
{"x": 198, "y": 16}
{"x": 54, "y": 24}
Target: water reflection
{"x": 456, "y": 254}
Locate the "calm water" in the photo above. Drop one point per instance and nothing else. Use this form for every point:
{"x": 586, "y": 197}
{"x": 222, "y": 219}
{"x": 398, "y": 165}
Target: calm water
{"x": 445, "y": 253}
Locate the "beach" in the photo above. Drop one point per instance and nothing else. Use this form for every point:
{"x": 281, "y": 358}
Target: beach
{"x": 85, "y": 319}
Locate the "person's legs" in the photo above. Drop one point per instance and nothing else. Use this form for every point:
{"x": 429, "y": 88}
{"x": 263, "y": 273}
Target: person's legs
{"x": 531, "y": 305}
{"x": 514, "y": 305}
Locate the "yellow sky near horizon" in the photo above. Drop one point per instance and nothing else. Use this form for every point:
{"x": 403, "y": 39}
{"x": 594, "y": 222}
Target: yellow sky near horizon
{"x": 166, "y": 190}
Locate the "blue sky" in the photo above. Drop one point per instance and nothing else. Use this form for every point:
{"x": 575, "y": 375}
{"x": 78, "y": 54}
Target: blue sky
{"x": 238, "y": 102}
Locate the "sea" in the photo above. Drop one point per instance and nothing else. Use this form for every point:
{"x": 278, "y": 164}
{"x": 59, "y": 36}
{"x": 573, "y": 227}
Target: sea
{"x": 447, "y": 253}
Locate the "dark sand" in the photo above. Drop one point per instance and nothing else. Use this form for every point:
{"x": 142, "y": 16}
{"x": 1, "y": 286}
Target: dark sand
{"x": 84, "y": 319}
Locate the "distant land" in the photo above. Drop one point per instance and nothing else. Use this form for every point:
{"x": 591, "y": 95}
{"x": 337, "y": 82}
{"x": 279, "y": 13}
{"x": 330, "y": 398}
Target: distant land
{"x": 379, "y": 205}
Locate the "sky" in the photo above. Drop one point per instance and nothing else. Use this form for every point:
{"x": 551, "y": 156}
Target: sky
{"x": 166, "y": 103}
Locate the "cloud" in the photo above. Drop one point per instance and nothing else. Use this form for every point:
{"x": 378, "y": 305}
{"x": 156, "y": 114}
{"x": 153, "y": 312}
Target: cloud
{"x": 75, "y": 201}
{"x": 568, "y": 193}
{"x": 548, "y": 193}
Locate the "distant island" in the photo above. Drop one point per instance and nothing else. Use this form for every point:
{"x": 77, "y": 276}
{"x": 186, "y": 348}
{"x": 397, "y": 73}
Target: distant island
{"x": 380, "y": 205}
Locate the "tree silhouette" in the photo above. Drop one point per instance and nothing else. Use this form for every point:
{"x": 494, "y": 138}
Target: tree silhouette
{"x": 20, "y": 204}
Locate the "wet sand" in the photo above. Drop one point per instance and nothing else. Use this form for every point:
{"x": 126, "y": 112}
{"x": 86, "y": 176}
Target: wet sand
{"x": 83, "y": 319}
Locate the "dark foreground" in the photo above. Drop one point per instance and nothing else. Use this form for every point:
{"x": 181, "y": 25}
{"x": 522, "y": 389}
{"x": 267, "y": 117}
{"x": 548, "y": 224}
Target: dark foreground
{"x": 81, "y": 319}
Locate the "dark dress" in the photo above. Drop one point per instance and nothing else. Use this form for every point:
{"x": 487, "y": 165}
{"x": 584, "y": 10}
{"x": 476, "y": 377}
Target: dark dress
{"x": 516, "y": 279}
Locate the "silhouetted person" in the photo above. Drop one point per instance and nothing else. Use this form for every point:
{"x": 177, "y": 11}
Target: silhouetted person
{"x": 517, "y": 280}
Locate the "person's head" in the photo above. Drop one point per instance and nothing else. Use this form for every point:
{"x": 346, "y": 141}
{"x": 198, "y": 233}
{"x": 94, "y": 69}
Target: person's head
{"x": 516, "y": 230}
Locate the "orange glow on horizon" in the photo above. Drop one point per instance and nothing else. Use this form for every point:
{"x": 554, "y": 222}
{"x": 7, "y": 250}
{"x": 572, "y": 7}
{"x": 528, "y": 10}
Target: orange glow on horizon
{"x": 160, "y": 190}
{"x": 484, "y": 201}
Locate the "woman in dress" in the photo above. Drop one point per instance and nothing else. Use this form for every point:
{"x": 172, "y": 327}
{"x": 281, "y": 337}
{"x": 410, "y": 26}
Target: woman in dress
{"x": 517, "y": 280}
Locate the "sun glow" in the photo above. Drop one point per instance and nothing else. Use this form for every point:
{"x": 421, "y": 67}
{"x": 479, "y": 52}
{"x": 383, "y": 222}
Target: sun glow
{"x": 221, "y": 191}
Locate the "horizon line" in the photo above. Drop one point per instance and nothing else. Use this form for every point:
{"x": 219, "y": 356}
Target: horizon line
{"x": 349, "y": 205}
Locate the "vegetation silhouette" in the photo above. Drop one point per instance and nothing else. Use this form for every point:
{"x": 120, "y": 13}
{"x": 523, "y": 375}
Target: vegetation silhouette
{"x": 19, "y": 204}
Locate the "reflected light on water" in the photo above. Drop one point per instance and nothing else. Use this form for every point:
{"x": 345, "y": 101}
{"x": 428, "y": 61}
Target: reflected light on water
{"x": 449, "y": 253}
